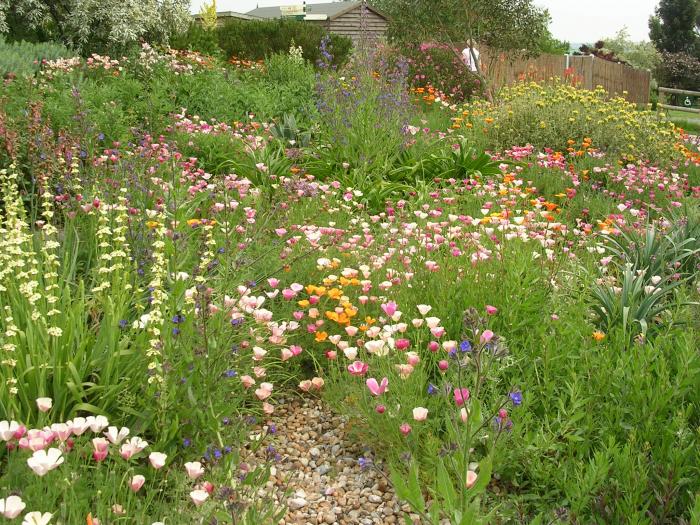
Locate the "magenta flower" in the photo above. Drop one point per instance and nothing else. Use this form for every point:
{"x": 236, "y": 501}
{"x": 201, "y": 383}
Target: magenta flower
{"x": 461, "y": 396}
{"x": 491, "y": 310}
{"x": 375, "y": 388}
{"x": 389, "y": 308}
{"x": 405, "y": 429}
{"x": 358, "y": 368}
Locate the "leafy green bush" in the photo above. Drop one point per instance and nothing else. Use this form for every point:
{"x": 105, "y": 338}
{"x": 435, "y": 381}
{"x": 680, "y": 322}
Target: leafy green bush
{"x": 196, "y": 38}
{"x": 561, "y": 116}
{"x": 258, "y": 39}
{"x": 24, "y": 58}
{"x": 440, "y": 66}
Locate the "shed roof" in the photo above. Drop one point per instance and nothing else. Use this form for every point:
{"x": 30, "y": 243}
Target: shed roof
{"x": 331, "y": 9}
{"x": 230, "y": 14}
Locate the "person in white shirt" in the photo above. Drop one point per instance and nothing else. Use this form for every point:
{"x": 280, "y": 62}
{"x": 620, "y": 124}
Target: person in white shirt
{"x": 470, "y": 55}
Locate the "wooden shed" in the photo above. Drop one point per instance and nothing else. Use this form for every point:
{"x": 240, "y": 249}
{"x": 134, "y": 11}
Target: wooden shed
{"x": 349, "y": 19}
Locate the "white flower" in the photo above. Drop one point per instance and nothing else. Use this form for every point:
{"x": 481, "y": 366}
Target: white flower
{"x": 199, "y": 497}
{"x": 8, "y": 429}
{"x": 116, "y": 436}
{"x": 37, "y": 518}
{"x": 11, "y": 507}
{"x": 42, "y": 461}
{"x": 157, "y": 459}
{"x": 44, "y": 404}
{"x": 194, "y": 469}
{"x": 97, "y": 423}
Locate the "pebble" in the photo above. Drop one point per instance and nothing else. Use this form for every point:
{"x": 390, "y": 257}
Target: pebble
{"x": 322, "y": 471}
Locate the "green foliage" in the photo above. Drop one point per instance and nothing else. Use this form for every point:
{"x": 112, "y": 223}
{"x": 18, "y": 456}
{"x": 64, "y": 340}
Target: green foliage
{"x": 551, "y": 114}
{"x": 24, "y": 58}
{"x": 642, "y": 55}
{"x": 679, "y": 70}
{"x": 99, "y": 26}
{"x": 258, "y": 39}
{"x": 674, "y": 27}
{"x": 196, "y": 38}
{"x": 504, "y": 25}
{"x": 442, "y": 67}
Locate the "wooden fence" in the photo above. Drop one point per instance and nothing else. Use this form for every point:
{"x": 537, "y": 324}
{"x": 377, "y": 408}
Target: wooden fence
{"x": 687, "y": 106}
{"x": 588, "y": 71}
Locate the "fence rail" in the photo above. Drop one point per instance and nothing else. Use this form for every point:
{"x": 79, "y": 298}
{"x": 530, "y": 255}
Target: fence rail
{"x": 664, "y": 91}
{"x": 588, "y": 71}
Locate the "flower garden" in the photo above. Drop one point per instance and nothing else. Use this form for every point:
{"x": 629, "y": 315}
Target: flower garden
{"x": 208, "y": 270}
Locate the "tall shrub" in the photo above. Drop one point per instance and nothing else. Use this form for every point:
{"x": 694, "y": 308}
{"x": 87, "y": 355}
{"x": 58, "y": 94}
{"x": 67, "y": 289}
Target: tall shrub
{"x": 258, "y": 39}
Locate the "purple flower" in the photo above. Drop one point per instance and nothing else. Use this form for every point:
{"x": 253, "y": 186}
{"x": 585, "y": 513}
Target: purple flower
{"x": 516, "y": 397}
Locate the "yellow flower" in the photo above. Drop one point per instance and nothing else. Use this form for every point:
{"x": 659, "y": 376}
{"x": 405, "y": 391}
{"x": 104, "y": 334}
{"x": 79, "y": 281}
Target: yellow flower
{"x": 598, "y": 335}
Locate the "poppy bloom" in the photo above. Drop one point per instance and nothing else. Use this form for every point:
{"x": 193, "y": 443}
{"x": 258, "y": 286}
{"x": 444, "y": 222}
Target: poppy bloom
{"x": 358, "y": 368}
{"x": 375, "y": 388}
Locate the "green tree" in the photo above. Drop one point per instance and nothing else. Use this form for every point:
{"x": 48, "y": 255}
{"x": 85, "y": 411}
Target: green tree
{"x": 675, "y": 27}
{"x": 97, "y": 25}
{"x": 516, "y": 27}
{"x": 642, "y": 55}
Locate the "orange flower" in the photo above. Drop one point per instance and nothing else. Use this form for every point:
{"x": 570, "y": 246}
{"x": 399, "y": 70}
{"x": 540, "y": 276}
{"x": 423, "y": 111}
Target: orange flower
{"x": 321, "y": 336}
{"x": 598, "y": 335}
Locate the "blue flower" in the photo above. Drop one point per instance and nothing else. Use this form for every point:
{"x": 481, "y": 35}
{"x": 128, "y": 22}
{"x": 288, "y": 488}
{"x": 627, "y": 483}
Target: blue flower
{"x": 432, "y": 389}
{"x": 123, "y": 324}
{"x": 516, "y": 397}
{"x": 364, "y": 462}
{"x": 465, "y": 346}
{"x": 230, "y": 373}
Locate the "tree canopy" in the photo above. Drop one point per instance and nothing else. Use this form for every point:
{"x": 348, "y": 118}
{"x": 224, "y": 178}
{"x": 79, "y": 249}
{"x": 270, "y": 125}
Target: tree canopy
{"x": 96, "y": 25}
{"x": 675, "y": 27}
{"x": 504, "y": 25}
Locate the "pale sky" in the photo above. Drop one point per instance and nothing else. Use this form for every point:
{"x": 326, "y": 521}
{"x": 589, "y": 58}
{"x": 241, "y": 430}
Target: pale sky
{"x": 573, "y": 20}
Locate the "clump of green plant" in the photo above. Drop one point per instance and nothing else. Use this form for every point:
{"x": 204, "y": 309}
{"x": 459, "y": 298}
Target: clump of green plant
{"x": 560, "y": 116}
{"x": 645, "y": 272}
{"x": 25, "y": 58}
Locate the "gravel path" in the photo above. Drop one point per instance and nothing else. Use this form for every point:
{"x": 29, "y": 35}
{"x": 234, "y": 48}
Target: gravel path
{"x": 320, "y": 464}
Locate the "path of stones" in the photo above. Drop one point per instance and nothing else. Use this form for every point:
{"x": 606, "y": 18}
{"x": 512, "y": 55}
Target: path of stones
{"x": 320, "y": 463}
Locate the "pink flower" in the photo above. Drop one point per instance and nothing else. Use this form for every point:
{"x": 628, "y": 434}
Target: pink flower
{"x": 101, "y": 446}
{"x": 247, "y": 381}
{"x": 471, "y": 478}
{"x": 461, "y": 396}
{"x": 405, "y": 429}
{"x": 274, "y": 283}
{"x": 358, "y": 368}
{"x": 305, "y": 385}
{"x": 389, "y": 308}
{"x": 433, "y": 346}
{"x": 486, "y": 336}
{"x": 464, "y": 415}
{"x": 157, "y": 459}
{"x": 375, "y": 388}
{"x": 317, "y": 383}
{"x": 491, "y": 310}
{"x": 412, "y": 358}
{"x": 194, "y": 469}
{"x": 137, "y": 482}
{"x": 443, "y": 365}
{"x": 264, "y": 391}
{"x": 420, "y": 413}
{"x": 44, "y": 404}
{"x": 402, "y": 344}
{"x": 380, "y": 409}
{"x": 131, "y": 447}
